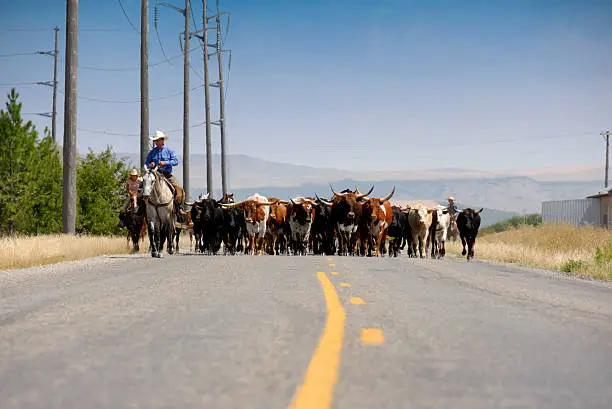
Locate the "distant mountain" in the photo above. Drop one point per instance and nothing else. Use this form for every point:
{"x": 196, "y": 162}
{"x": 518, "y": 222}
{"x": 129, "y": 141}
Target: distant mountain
{"x": 509, "y": 195}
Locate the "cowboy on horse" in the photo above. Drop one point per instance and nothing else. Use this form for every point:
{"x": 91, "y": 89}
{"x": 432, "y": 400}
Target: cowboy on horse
{"x": 165, "y": 158}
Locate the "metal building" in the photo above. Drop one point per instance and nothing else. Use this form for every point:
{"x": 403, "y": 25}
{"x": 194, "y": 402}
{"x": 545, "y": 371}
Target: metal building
{"x": 594, "y": 210}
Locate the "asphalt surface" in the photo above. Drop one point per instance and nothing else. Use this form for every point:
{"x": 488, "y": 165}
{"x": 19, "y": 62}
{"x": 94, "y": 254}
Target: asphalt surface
{"x": 193, "y": 331}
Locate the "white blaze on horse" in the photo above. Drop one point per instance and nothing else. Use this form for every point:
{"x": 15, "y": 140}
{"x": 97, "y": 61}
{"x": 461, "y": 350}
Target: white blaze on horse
{"x": 160, "y": 211}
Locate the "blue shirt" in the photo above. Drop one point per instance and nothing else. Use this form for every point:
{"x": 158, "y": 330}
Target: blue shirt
{"x": 166, "y": 154}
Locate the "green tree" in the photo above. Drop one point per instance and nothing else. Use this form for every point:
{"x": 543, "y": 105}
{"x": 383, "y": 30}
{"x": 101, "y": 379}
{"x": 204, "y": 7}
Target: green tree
{"x": 27, "y": 186}
{"x": 45, "y": 195}
{"x": 100, "y": 181}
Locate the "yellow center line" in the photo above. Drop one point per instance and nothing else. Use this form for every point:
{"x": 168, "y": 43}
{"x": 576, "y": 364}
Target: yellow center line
{"x": 372, "y": 336}
{"x": 345, "y": 285}
{"x": 332, "y": 265}
{"x": 334, "y": 273}
{"x": 329, "y": 259}
{"x": 317, "y": 389}
{"x": 357, "y": 300}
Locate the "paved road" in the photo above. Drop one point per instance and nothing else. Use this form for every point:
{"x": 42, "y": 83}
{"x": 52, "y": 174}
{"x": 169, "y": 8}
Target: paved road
{"x": 192, "y": 331}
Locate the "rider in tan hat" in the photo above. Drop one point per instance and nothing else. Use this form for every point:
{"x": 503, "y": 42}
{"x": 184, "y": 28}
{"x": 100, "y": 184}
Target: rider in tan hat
{"x": 131, "y": 187}
{"x": 452, "y": 207}
{"x": 165, "y": 158}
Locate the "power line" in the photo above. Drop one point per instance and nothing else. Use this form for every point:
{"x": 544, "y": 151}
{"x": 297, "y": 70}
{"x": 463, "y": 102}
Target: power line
{"x": 125, "y": 14}
{"x": 15, "y": 84}
{"x": 86, "y": 67}
{"x": 63, "y": 26}
{"x": 109, "y": 133}
{"x": 15, "y": 55}
{"x": 109, "y": 101}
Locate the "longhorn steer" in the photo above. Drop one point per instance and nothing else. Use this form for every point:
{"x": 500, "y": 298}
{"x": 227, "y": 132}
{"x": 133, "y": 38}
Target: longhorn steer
{"x": 322, "y": 228}
{"x": 376, "y": 217}
{"x": 468, "y": 222}
{"x": 277, "y": 230}
{"x": 345, "y": 214}
{"x": 256, "y": 211}
{"x": 300, "y": 213}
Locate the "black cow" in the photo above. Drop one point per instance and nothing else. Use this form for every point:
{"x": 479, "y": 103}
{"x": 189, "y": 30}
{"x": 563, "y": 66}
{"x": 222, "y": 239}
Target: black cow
{"x": 468, "y": 223}
{"x": 234, "y": 227}
{"x": 322, "y": 229}
{"x": 399, "y": 230}
{"x": 207, "y": 218}
{"x": 133, "y": 220}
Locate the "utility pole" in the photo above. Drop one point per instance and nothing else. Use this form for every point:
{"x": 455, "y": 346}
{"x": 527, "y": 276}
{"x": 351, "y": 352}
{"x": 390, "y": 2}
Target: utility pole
{"x": 70, "y": 125}
{"x": 209, "y": 186}
{"x": 186, "y": 36}
{"x": 144, "y": 81}
{"x": 606, "y": 136}
{"x": 53, "y": 113}
{"x": 221, "y": 122}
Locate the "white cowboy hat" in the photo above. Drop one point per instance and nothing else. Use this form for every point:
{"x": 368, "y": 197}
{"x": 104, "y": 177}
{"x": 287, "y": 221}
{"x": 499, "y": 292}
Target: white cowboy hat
{"x": 158, "y": 135}
{"x": 134, "y": 172}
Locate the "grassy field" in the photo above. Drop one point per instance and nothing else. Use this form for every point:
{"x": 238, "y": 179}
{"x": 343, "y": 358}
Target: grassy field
{"x": 19, "y": 252}
{"x": 585, "y": 251}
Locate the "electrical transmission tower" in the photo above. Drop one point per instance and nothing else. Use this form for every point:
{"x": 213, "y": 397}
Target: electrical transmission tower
{"x": 53, "y": 113}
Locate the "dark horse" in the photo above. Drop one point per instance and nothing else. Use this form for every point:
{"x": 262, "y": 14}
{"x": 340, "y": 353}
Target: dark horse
{"x": 133, "y": 220}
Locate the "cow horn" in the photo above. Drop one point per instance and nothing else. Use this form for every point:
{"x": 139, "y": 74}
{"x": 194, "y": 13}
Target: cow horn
{"x": 362, "y": 195}
{"x": 388, "y": 196}
{"x": 325, "y": 202}
{"x": 229, "y": 205}
{"x": 458, "y": 211}
{"x": 189, "y": 203}
{"x": 478, "y": 212}
{"x": 336, "y": 194}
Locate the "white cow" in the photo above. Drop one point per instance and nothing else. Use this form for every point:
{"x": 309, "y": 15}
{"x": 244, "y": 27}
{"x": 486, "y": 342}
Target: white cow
{"x": 440, "y": 232}
{"x": 420, "y": 219}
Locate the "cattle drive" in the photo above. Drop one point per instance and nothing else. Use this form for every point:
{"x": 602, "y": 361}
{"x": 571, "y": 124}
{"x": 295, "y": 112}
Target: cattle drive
{"x": 346, "y": 223}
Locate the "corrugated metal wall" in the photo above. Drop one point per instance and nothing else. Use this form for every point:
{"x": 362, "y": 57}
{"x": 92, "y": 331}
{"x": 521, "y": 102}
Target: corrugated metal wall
{"x": 578, "y": 212}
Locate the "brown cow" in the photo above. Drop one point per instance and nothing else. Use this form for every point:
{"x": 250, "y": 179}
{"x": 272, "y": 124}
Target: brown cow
{"x": 277, "y": 226}
{"x": 376, "y": 217}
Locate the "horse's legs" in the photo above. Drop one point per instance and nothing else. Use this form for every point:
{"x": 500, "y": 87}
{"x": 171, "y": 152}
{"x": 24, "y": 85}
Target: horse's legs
{"x": 152, "y": 238}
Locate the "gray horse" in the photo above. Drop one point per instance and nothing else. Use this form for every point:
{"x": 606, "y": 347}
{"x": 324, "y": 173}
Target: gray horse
{"x": 160, "y": 211}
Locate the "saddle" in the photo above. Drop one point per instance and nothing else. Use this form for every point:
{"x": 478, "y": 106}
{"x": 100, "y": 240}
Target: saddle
{"x": 178, "y": 195}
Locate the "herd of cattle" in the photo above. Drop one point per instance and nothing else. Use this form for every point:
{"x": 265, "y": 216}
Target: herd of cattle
{"x": 348, "y": 223}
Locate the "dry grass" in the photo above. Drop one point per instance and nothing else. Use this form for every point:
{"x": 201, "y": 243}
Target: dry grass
{"x": 29, "y": 251}
{"x": 551, "y": 246}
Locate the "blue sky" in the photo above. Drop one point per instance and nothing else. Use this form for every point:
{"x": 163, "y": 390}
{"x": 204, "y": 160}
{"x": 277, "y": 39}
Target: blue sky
{"x": 388, "y": 84}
